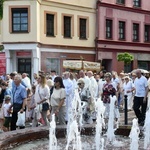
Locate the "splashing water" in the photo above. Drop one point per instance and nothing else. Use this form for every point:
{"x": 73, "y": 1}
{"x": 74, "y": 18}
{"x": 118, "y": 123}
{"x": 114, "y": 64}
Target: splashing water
{"x": 110, "y": 131}
{"x": 147, "y": 130}
{"x": 134, "y": 135}
{"x": 100, "y": 108}
{"x": 52, "y": 136}
{"x": 73, "y": 134}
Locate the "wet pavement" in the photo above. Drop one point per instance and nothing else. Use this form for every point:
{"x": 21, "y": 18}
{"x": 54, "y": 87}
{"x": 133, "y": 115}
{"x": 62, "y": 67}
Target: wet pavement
{"x": 88, "y": 142}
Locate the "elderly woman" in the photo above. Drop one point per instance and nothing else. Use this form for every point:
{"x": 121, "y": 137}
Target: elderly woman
{"x": 108, "y": 90}
{"x": 85, "y": 97}
{"x": 58, "y": 101}
{"x": 128, "y": 88}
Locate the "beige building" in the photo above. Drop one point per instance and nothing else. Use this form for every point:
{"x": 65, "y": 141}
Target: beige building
{"x": 40, "y": 34}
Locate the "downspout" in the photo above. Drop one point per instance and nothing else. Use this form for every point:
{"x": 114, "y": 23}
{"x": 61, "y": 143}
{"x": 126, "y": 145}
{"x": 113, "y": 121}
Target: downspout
{"x": 97, "y": 31}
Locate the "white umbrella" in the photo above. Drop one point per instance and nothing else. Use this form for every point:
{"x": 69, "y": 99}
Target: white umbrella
{"x": 142, "y": 70}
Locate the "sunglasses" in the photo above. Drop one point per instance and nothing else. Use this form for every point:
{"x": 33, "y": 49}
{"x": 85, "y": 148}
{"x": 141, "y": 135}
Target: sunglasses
{"x": 79, "y": 83}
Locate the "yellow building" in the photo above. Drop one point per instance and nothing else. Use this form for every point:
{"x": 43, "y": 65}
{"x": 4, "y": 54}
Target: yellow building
{"x": 40, "y": 34}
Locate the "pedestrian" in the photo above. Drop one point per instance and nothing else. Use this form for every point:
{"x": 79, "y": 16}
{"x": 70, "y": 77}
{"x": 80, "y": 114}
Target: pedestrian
{"x": 86, "y": 102}
{"x": 57, "y": 101}
{"x": 128, "y": 88}
{"x": 42, "y": 95}
{"x": 7, "y": 113}
{"x": 18, "y": 102}
{"x": 109, "y": 90}
{"x": 32, "y": 110}
{"x": 140, "y": 98}
{"x": 69, "y": 91}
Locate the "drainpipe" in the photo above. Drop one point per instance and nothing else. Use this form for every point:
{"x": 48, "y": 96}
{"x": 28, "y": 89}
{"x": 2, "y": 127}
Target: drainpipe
{"x": 97, "y": 31}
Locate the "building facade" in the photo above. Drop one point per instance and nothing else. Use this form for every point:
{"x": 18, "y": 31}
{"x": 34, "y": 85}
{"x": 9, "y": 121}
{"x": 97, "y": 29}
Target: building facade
{"x": 40, "y": 34}
{"x": 123, "y": 26}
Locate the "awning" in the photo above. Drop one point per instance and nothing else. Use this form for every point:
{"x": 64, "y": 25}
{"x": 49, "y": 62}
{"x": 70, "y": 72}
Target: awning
{"x": 78, "y": 65}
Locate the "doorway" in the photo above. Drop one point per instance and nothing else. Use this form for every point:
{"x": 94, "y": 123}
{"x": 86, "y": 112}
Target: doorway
{"x": 24, "y": 66}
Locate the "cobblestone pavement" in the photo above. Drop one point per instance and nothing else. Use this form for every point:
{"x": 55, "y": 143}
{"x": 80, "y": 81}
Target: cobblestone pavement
{"x": 88, "y": 143}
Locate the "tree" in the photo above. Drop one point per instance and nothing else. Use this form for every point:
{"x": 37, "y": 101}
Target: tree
{"x": 1, "y": 9}
{"x": 126, "y": 58}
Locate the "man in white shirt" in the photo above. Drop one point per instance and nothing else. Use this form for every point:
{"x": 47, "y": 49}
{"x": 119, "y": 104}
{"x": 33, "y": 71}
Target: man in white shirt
{"x": 53, "y": 74}
{"x": 26, "y": 80}
{"x": 140, "y": 101}
{"x": 93, "y": 84}
{"x": 69, "y": 90}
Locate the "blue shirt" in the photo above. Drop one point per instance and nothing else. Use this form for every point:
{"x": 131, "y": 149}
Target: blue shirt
{"x": 8, "y": 92}
{"x": 13, "y": 84}
{"x": 19, "y": 93}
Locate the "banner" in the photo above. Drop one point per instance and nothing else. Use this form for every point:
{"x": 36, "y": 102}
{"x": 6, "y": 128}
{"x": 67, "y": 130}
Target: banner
{"x": 78, "y": 65}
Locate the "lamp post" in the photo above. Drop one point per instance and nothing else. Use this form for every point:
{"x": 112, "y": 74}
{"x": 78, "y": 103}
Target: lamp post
{"x": 125, "y": 110}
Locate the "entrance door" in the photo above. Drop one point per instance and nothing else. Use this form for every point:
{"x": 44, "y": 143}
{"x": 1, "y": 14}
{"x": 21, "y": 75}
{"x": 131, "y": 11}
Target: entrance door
{"x": 24, "y": 66}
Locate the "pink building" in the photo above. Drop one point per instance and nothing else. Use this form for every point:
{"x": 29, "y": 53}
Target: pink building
{"x": 123, "y": 26}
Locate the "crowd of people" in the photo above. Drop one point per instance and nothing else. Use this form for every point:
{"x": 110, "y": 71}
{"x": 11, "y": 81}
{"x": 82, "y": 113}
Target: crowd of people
{"x": 50, "y": 93}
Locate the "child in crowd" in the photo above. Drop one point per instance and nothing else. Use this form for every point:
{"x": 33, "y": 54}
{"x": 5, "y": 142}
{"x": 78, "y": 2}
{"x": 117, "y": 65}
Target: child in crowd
{"x": 7, "y": 115}
{"x": 32, "y": 112}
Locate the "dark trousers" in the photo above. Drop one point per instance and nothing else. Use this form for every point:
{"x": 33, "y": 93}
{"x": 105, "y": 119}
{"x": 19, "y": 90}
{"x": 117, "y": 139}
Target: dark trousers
{"x": 14, "y": 120}
{"x": 139, "y": 108}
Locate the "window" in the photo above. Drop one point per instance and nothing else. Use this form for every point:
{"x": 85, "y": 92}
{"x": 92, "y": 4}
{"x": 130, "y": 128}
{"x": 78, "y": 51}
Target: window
{"x": 144, "y": 65}
{"x": 108, "y": 29}
{"x": 137, "y": 3}
{"x": 67, "y": 26}
{"x": 50, "y": 24}
{"x": 135, "y": 32}
{"x": 147, "y": 33}
{"x": 19, "y": 19}
{"x": 121, "y": 30}
{"x": 53, "y": 64}
{"x": 121, "y": 1}
{"x": 83, "y": 28}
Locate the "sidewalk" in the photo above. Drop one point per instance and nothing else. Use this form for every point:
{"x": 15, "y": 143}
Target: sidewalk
{"x": 131, "y": 116}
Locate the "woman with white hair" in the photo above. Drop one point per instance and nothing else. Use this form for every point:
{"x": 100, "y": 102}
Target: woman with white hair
{"x": 128, "y": 90}
{"x": 85, "y": 97}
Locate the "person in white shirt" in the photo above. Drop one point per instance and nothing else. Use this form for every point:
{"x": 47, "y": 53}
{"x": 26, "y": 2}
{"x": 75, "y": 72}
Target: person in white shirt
{"x": 7, "y": 114}
{"x": 140, "y": 98}
{"x": 9, "y": 80}
{"x": 148, "y": 95}
{"x": 86, "y": 79}
{"x": 26, "y": 80}
{"x": 58, "y": 101}
{"x": 128, "y": 88}
{"x": 42, "y": 95}
{"x": 69, "y": 90}
{"x": 53, "y": 74}
{"x": 93, "y": 84}
{"x": 101, "y": 82}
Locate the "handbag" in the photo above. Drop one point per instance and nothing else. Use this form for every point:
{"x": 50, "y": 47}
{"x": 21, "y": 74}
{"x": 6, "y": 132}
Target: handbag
{"x": 45, "y": 106}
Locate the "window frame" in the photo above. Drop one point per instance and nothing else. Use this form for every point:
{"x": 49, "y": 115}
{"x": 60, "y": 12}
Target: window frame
{"x": 137, "y": 3}
{"x": 71, "y": 26}
{"x": 87, "y": 27}
{"x": 11, "y": 17}
{"x": 148, "y": 33}
{"x": 123, "y": 29}
{"x": 111, "y": 27}
{"x": 136, "y": 34}
{"x": 55, "y": 23}
{"x": 67, "y": 27}
{"x": 122, "y": 2}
